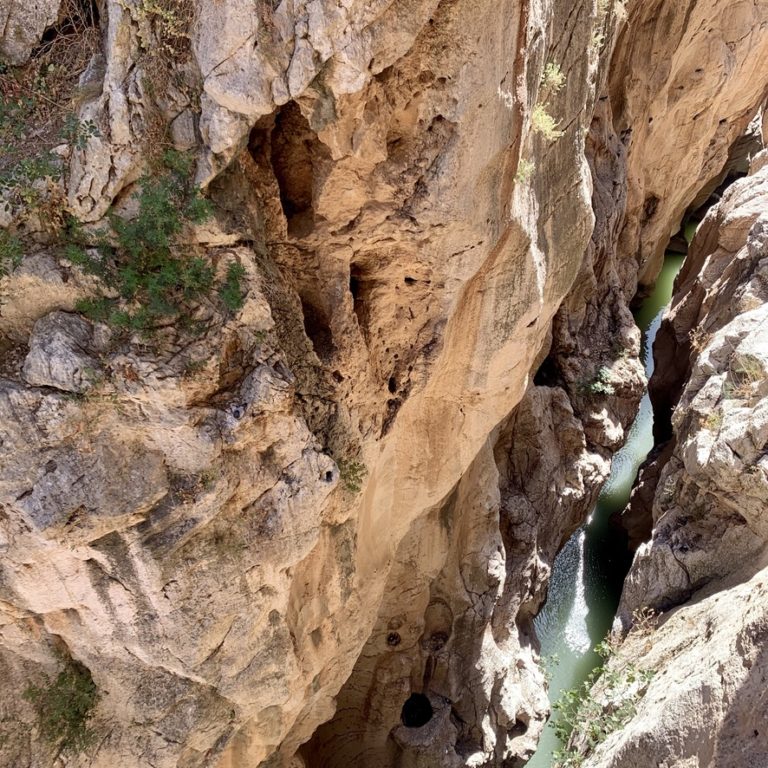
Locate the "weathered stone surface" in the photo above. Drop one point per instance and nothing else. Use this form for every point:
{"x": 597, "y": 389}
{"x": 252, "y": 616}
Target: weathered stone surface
{"x": 399, "y": 429}
{"x": 134, "y": 530}
{"x": 22, "y": 25}
{"x": 709, "y": 504}
{"x": 61, "y": 354}
{"x": 685, "y": 145}
{"x": 705, "y": 704}
{"x": 38, "y": 286}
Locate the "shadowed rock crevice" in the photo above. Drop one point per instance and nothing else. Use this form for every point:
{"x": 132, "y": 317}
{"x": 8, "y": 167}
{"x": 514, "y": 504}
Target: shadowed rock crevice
{"x": 317, "y": 328}
{"x": 296, "y": 154}
{"x": 361, "y": 288}
{"x": 417, "y": 711}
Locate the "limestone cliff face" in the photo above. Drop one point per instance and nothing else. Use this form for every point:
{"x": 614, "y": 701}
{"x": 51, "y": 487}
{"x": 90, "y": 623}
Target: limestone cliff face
{"x": 261, "y": 540}
{"x": 716, "y": 332}
{"x": 705, "y": 703}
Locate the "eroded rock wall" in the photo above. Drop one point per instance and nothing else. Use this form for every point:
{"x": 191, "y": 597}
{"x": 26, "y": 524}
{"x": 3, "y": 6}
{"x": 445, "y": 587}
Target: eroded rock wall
{"x": 707, "y": 553}
{"x": 221, "y": 584}
{"x": 352, "y": 489}
{"x": 540, "y": 501}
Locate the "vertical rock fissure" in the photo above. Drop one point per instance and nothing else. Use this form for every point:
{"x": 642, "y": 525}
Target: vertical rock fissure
{"x": 590, "y": 556}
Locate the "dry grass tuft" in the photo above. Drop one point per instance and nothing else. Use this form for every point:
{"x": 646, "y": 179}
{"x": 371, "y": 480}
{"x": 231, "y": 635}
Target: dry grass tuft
{"x": 36, "y": 98}
{"x": 38, "y": 104}
{"x": 745, "y": 374}
{"x": 165, "y": 38}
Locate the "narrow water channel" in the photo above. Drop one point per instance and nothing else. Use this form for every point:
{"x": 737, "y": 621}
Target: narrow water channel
{"x": 588, "y": 574}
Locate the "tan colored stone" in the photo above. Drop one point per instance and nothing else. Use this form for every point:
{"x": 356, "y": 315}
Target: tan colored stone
{"x": 231, "y": 587}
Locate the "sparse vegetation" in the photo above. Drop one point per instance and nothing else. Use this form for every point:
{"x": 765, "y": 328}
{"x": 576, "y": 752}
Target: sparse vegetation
{"x": 525, "y": 169}
{"x": 352, "y": 474}
{"x": 714, "y": 421}
{"x": 602, "y": 384}
{"x": 193, "y": 367}
{"x": 65, "y": 707}
{"x": 228, "y": 543}
{"x": 585, "y": 722}
{"x": 11, "y": 252}
{"x": 36, "y": 102}
{"x": 77, "y": 132}
{"x": 142, "y": 261}
{"x": 543, "y": 123}
{"x": 207, "y": 478}
{"x": 163, "y": 31}
{"x": 553, "y": 77}
{"x": 644, "y": 621}
{"x": 231, "y": 291}
{"x": 597, "y": 41}
{"x": 168, "y": 21}
{"x": 745, "y": 372}
{"x": 699, "y": 338}
{"x": 604, "y": 8}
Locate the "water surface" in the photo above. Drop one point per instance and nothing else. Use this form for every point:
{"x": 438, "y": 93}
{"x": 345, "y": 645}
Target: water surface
{"x": 588, "y": 573}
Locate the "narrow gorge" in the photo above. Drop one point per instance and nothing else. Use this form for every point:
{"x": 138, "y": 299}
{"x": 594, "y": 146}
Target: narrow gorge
{"x": 320, "y": 329}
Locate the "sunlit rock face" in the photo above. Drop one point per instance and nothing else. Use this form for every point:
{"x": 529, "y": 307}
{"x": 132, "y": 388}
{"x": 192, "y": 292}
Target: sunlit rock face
{"x": 716, "y": 331}
{"x": 705, "y": 566}
{"x": 266, "y": 540}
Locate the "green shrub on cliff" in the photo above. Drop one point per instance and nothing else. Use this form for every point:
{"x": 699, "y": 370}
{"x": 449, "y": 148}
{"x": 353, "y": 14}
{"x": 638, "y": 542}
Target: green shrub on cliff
{"x": 143, "y": 261}
{"x": 11, "y": 252}
{"x": 352, "y": 474}
{"x": 65, "y": 707}
{"x": 553, "y": 77}
{"x": 525, "y": 169}
{"x": 543, "y": 123}
{"x": 585, "y": 721}
{"x": 601, "y": 384}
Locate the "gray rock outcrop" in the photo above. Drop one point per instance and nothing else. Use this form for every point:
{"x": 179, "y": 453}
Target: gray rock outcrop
{"x": 22, "y": 25}
{"x": 61, "y": 354}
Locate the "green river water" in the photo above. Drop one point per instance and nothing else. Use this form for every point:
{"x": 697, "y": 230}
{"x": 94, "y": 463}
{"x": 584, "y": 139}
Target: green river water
{"x": 588, "y": 573}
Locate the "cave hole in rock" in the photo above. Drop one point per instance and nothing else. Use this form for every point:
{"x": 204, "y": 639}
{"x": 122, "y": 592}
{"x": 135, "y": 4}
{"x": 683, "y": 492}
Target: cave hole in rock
{"x": 361, "y": 288}
{"x": 75, "y": 17}
{"x": 354, "y": 282}
{"x": 296, "y": 153}
{"x": 548, "y": 373}
{"x": 318, "y": 330}
{"x": 417, "y": 711}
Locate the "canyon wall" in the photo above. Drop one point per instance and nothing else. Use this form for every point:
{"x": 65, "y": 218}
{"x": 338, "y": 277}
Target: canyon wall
{"x": 263, "y": 538}
{"x": 705, "y": 568}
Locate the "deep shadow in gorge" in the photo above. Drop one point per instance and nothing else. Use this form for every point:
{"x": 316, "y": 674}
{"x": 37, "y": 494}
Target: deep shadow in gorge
{"x": 671, "y": 354}
{"x": 600, "y": 554}
{"x": 589, "y": 572}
